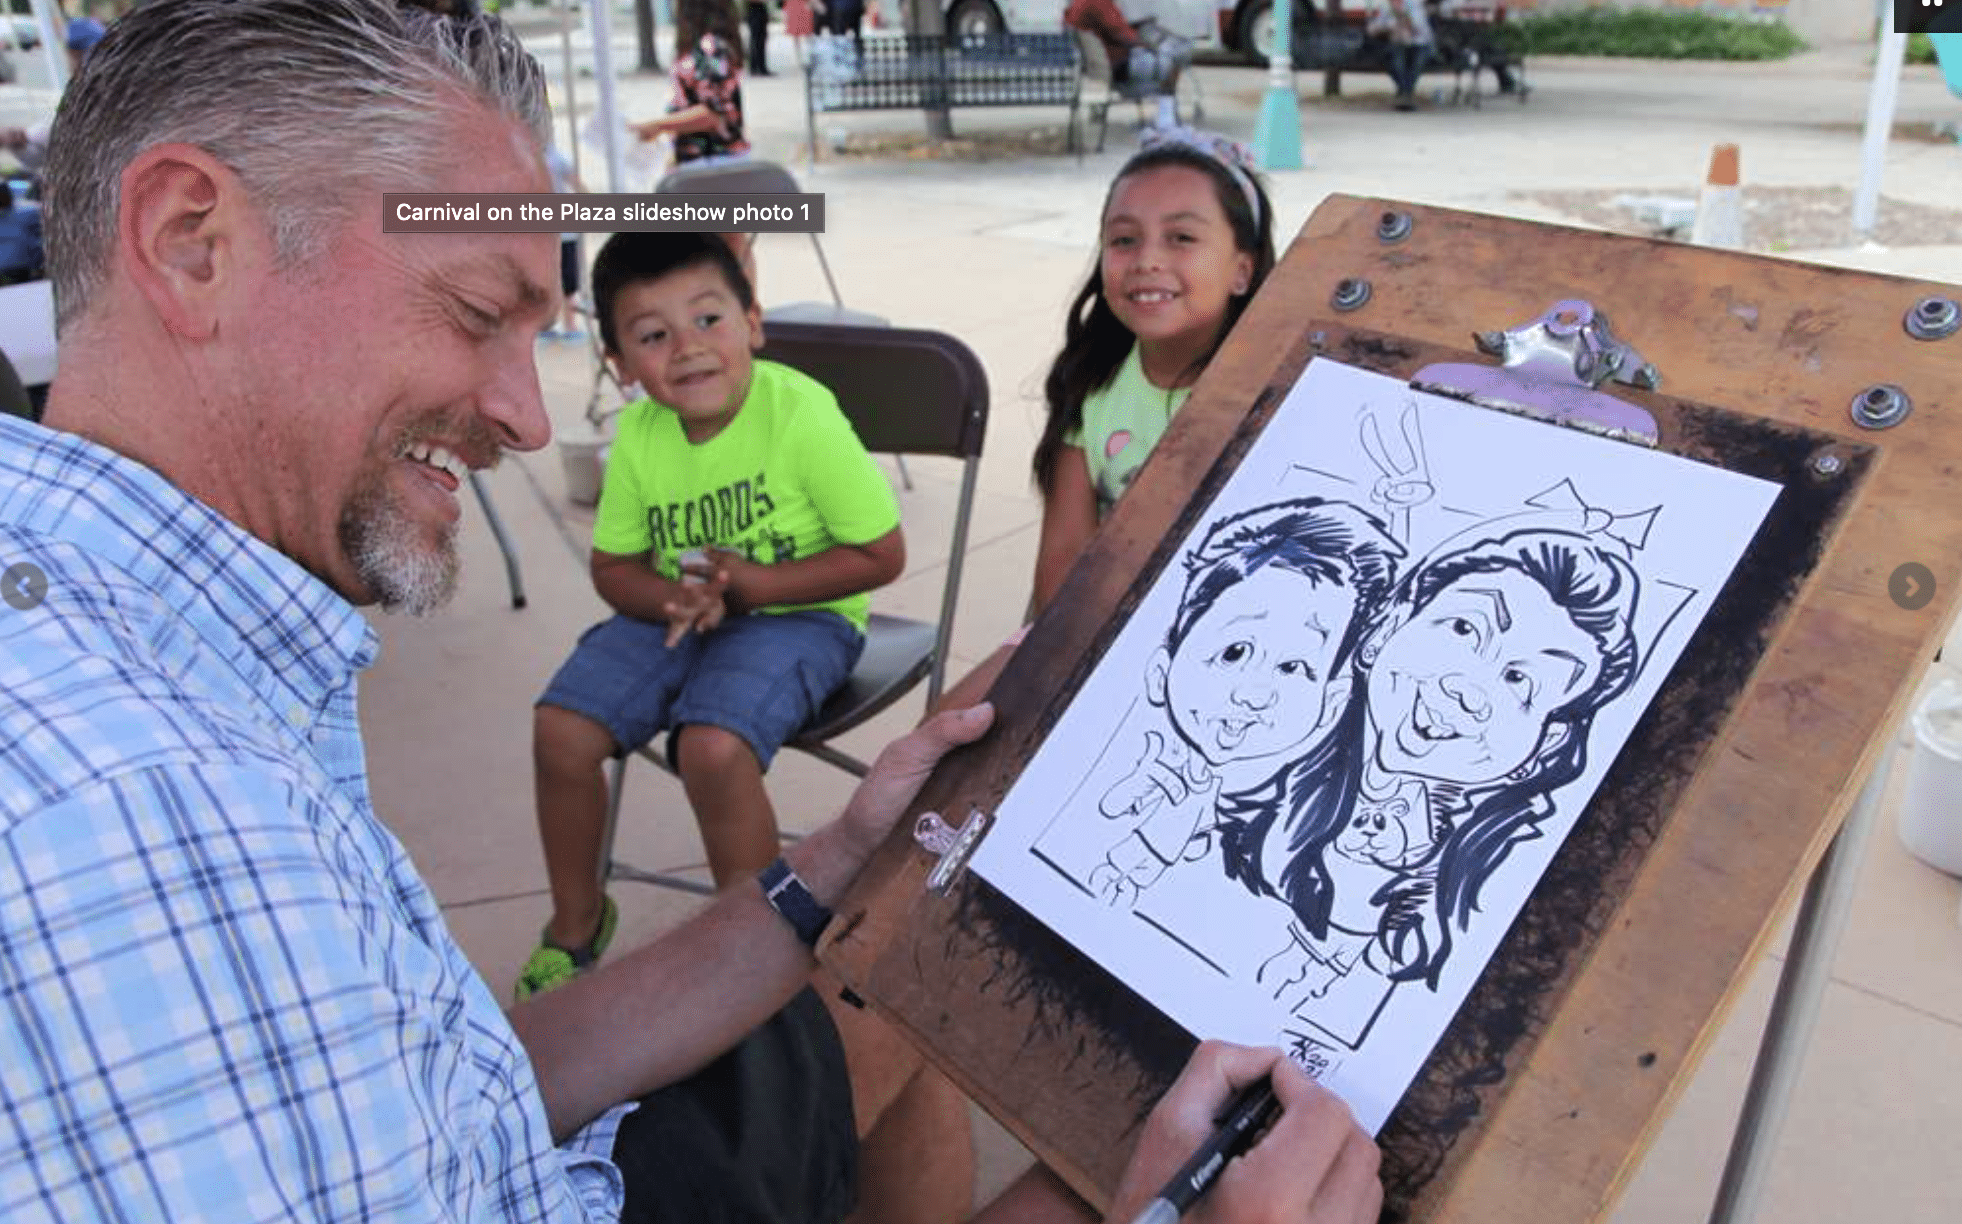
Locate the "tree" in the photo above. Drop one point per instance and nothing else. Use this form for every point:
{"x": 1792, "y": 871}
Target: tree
{"x": 650, "y": 54}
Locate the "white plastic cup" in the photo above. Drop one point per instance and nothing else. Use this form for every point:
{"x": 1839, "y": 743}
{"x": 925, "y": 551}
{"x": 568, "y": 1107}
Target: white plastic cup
{"x": 1930, "y": 815}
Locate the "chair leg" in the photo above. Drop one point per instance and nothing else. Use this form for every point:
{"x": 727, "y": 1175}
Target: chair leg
{"x": 836, "y": 298}
{"x": 612, "y": 868}
{"x": 616, "y": 786}
{"x": 503, "y": 541}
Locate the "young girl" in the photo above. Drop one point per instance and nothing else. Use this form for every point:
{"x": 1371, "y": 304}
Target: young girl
{"x": 705, "y": 116}
{"x": 1187, "y": 239}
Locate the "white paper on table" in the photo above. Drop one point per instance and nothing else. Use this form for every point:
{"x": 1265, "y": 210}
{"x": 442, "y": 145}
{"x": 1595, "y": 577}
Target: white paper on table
{"x": 1437, "y": 476}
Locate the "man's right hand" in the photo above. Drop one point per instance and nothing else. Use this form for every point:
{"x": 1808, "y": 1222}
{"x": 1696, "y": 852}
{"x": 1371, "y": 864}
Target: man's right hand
{"x": 1313, "y": 1166}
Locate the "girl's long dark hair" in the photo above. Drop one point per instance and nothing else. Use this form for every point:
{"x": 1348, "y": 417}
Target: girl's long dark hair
{"x": 1095, "y": 343}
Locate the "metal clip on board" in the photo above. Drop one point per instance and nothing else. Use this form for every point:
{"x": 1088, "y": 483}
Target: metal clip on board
{"x": 1552, "y": 370}
{"x": 952, "y": 846}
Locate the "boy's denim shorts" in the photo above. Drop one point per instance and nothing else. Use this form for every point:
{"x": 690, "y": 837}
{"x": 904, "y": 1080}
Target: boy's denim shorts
{"x": 761, "y": 677}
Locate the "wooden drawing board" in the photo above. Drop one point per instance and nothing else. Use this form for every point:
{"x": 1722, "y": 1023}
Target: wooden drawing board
{"x": 1547, "y": 1085}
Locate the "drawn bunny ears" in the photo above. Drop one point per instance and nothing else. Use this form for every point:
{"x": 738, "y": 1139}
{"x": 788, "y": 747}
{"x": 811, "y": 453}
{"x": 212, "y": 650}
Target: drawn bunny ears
{"x": 1234, "y": 156}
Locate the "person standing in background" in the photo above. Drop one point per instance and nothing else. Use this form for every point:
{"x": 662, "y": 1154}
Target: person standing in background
{"x": 757, "y": 14}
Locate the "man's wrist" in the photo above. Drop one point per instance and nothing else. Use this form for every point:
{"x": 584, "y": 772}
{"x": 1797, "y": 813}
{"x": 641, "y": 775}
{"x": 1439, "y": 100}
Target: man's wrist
{"x": 786, "y": 893}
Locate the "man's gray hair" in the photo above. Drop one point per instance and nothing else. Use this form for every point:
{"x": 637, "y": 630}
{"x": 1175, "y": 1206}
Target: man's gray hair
{"x": 314, "y": 104}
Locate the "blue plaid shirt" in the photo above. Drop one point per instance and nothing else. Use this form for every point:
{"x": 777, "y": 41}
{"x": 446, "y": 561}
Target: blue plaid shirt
{"x": 225, "y": 994}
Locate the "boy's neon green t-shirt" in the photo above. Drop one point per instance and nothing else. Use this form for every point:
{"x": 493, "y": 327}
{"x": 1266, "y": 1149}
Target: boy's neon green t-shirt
{"x": 784, "y": 480}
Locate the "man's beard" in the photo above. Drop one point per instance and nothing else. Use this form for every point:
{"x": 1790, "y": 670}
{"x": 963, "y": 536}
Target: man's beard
{"x": 390, "y": 555}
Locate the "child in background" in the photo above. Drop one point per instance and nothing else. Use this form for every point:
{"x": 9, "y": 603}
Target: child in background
{"x": 705, "y": 115}
{"x": 751, "y": 467}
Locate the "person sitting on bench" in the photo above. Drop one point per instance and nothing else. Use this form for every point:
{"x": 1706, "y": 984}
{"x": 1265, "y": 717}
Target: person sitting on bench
{"x": 1141, "y": 55}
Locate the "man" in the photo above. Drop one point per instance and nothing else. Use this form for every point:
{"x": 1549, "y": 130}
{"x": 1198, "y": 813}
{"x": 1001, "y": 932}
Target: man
{"x": 1143, "y": 56}
{"x": 224, "y": 992}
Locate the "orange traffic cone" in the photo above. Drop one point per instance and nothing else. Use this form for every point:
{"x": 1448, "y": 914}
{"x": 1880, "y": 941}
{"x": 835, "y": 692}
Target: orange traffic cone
{"x": 1720, "y": 207}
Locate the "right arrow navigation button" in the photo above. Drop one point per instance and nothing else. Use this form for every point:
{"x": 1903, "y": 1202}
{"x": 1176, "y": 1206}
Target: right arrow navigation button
{"x": 1912, "y": 586}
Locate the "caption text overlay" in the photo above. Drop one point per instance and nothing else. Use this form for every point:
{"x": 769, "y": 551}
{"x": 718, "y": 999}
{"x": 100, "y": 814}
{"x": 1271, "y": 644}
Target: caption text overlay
{"x": 549, "y": 212}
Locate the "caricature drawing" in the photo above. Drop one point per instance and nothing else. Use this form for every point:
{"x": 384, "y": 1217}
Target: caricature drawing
{"x": 1274, "y": 601}
{"x": 1477, "y": 689}
{"x": 1313, "y": 778}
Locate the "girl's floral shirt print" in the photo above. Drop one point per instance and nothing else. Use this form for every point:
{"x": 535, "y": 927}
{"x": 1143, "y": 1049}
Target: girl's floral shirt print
{"x": 709, "y": 76}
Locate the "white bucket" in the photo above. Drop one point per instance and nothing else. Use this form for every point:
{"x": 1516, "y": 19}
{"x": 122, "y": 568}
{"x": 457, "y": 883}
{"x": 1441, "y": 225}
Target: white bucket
{"x": 584, "y": 458}
{"x": 1931, "y": 805}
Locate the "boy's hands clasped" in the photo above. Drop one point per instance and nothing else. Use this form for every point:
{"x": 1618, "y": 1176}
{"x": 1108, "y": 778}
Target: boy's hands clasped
{"x": 699, "y": 601}
{"x": 715, "y": 582}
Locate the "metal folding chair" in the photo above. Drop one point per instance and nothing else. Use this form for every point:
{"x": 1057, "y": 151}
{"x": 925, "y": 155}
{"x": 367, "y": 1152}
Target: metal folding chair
{"x": 742, "y": 176}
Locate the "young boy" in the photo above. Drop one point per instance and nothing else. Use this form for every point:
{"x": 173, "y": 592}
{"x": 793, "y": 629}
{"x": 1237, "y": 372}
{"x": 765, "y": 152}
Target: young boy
{"x": 740, "y": 526}
{"x": 1253, "y": 670}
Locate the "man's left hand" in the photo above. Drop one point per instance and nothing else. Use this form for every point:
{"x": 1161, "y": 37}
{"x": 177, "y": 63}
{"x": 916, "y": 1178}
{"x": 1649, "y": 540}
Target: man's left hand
{"x": 886, "y": 795}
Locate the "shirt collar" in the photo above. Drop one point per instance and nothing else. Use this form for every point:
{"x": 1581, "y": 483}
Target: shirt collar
{"x": 240, "y": 594}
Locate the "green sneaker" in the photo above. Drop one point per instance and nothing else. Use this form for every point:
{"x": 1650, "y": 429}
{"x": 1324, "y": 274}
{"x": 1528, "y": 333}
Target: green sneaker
{"x": 551, "y": 966}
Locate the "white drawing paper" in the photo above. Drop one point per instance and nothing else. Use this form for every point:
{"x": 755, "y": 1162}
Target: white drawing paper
{"x": 1322, "y": 766}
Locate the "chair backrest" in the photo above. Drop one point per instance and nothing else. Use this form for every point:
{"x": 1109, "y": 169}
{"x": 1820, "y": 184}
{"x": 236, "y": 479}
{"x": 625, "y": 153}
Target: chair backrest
{"x": 905, "y": 391}
{"x": 14, "y": 400}
{"x": 1096, "y": 57}
{"x": 741, "y": 176}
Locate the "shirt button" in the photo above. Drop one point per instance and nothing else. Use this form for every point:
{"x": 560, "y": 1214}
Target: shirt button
{"x": 296, "y": 716}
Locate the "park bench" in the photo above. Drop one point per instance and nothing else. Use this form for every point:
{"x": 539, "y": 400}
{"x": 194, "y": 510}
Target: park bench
{"x": 1332, "y": 38}
{"x": 937, "y": 73}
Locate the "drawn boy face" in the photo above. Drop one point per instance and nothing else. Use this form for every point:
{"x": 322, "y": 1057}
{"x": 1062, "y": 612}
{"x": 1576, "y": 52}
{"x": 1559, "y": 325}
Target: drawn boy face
{"x": 1251, "y": 678}
{"x": 1460, "y": 692}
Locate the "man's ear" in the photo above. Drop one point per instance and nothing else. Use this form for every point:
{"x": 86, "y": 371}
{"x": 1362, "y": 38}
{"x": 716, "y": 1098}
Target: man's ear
{"x": 178, "y": 232}
{"x": 1158, "y": 673}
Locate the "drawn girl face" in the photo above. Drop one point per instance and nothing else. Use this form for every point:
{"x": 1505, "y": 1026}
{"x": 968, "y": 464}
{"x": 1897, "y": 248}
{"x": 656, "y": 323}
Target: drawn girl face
{"x": 1251, "y": 677}
{"x": 1461, "y": 691}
